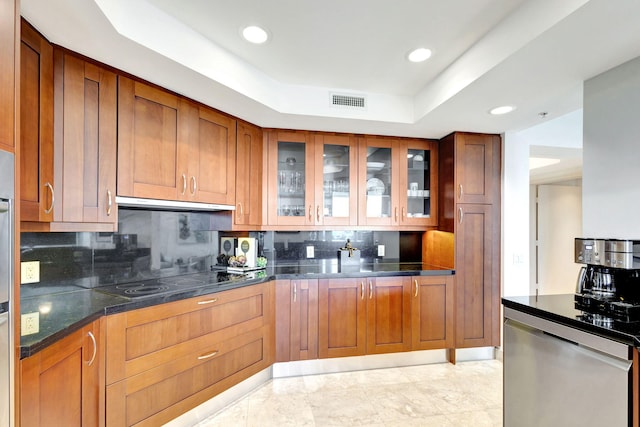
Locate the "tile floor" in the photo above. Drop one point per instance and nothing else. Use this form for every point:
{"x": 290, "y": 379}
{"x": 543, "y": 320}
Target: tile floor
{"x": 466, "y": 394}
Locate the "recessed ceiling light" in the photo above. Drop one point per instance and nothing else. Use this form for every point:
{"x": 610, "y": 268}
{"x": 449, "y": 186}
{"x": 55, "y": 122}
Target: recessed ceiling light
{"x": 419, "y": 55}
{"x": 255, "y": 34}
{"x": 502, "y": 110}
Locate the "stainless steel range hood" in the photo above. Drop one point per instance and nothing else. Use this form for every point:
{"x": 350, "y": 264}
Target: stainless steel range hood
{"x": 137, "y": 202}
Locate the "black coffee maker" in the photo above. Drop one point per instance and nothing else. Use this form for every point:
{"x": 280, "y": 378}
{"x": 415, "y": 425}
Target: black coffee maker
{"x": 608, "y": 286}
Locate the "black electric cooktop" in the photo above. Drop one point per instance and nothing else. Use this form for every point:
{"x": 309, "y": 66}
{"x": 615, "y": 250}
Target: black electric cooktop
{"x": 152, "y": 287}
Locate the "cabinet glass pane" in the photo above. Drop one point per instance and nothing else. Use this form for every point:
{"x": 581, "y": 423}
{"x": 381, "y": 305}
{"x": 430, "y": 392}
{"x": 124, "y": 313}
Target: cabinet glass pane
{"x": 418, "y": 193}
{"x": 291, "y": 178}
{"x": 378, "y": 182}
{"x": 336, "y": 173}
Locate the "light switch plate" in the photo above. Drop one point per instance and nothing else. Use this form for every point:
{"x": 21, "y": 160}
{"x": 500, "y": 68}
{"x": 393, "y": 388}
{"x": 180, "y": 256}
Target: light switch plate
{"x": 380, "y": 250}
{"x": 310, "y": 252}
{"x": 29, "y": 323}
{"x": 29, "y": 272}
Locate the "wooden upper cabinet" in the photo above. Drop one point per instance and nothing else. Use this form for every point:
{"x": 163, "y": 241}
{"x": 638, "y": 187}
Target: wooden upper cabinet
{"x": 477, "y": 177}
{"x": 173, "y": 149}
{"x": 379, "y": 176}
{"x": 149, "y": 142}
{"x": 8, "y": 69}
{"x": 290, "y": 173}
{"x": 418, "y": 183}
{"x": 249, "y": 191}
{"x": 37, "y": 193}
{"x": 210, "y": 170}
{"x": 336, "y": 180}
{"x": 85, "y": 141}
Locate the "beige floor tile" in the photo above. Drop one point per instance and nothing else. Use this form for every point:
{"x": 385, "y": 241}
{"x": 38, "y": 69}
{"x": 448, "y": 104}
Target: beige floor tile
{"x": 445, "y": 395}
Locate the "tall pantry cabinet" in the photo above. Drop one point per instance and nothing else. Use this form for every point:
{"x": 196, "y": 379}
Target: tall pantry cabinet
{"x": 470, "y": 208}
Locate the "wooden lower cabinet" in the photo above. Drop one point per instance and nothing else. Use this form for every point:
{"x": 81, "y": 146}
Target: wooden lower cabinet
{"x": 477, "y": 276}
{"x": 432, "y": 312}
{"x": 364, "y": 316}
{"x": 167, "y": 359}
{"x": 296, "y": 320}
{"x": 63, "y": 385}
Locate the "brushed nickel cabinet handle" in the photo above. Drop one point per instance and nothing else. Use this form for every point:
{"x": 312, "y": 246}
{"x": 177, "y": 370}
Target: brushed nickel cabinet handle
{"x": 295, "y": 292}
{"x": 318, "y": 213}
{"x": 460, "y": 191}
{"x": 184, "y": 184}
{"x": 417, "y": 287}
{"x": 395, "y": 210}
{"x": 208, "y": 355}
{"x": 403, "y": 213}
{"x": 310, "y": 212}
{"x": 109, "y": 202}
{"x": 461, "y": 215}
{"x": 53, "y": 198}
{"x": 95, "y": 348}
{"x": 194, "y": 185}
{"x": 209, "y": 301}
{"x": 370, "y": 290}
{"x": 361, "y": 290}
{"x": 240, "y": 206}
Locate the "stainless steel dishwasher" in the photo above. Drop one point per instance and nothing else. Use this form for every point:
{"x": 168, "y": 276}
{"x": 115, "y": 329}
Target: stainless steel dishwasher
{"x": 555, "y": 375}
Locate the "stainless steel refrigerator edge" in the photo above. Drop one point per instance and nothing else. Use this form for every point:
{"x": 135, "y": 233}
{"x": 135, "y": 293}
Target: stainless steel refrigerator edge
{"x": 6, "y": 287}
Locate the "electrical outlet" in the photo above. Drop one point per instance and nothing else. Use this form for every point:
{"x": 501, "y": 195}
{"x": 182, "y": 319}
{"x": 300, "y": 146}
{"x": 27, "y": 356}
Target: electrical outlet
{"x": 380, "y": 250}
{"x": 29, "y": 272}
{"x": 310, "y": 252}
{"x": 29, "y": 323}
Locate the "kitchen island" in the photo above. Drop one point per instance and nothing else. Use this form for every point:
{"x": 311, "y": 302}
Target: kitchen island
{"x": 564, "y": 367}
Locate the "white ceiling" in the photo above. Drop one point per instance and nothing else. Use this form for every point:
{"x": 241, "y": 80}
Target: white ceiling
{"x": 533, "y": 54}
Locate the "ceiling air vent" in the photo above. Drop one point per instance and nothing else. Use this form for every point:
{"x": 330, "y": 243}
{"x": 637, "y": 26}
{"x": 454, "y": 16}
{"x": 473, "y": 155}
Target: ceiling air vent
{"x": 348, "y": 101}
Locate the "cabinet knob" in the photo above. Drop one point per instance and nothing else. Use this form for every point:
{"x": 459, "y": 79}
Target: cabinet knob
{"x": 53, "y": 198}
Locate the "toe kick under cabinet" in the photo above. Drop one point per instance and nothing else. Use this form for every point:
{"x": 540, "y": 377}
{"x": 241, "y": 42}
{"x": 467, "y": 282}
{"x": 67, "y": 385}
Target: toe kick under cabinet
{"x": 167, "y": 359}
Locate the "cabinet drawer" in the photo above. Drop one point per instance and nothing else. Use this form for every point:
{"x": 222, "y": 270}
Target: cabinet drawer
{"x": 160, "y": 394}
{"x": 142, "y": 339}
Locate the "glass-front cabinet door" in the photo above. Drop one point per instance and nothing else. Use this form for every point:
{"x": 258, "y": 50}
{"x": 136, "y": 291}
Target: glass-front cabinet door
{"x": 290, "y": 192}
{"x": 418, "y": 183}
{"x": 336, "y": 180}
{"x": 378, "y": 202}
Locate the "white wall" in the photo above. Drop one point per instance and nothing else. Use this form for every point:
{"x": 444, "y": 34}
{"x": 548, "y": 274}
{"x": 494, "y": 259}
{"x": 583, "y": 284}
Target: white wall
{"x": 611, "y": 181}
{"x": 559, "y": 223}
{"x": 515, "y": 215}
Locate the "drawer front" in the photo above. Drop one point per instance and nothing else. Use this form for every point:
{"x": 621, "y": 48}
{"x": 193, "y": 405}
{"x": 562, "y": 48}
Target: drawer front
{"x": 142, "y": 339}
{"x": 162, "y": 393}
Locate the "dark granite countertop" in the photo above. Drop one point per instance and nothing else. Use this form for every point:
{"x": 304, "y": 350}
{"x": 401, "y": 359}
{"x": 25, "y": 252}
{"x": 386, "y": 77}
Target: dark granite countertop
{"x": 561, "y": 309}
{"x": 67, "y": 308}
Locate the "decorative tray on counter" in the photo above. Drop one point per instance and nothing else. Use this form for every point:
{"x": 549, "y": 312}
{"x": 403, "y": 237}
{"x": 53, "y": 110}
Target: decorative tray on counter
{"x": 243, "y": 269}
